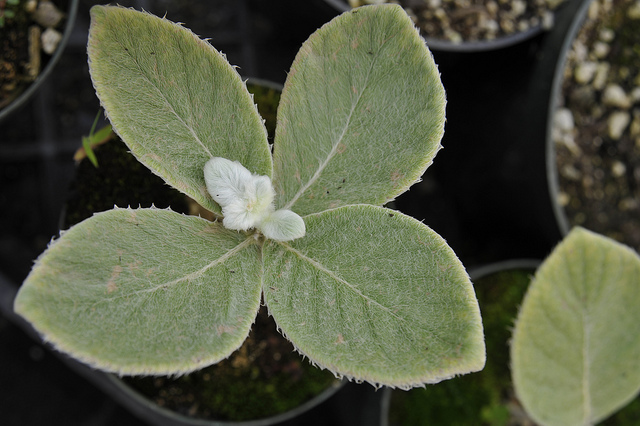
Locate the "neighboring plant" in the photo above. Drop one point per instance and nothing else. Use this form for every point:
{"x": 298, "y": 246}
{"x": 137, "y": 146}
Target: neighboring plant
{"x": 95, "y": 138}
{"x": 575, "y": 351}
{"x": 359, "y": 289}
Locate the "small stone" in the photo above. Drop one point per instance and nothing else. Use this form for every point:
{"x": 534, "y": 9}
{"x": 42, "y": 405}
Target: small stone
{"x": 634, "y": 96}
{"x": 563, "y": 129}
{"x": 600, "y": 49}
{"x": 518, "y": 7}
{"x": 585, "y": 71}
{"x": 31, "y": 6}
{"x": 50, "y": 40}
{"x": 492, "y": 7}
{"x": 615, "y": 96}
{"x": 617, "y": 123}
{"x": 618, "y": 169}
{"x": 491, "y": 26}
{"x": 507, "y": 25}
{"x": 570, "y": 172}
{"x": 633, "y": 12}
{"x": 563, "y": 119}
{"x": 523, "y": 26}
{"x": 602, "y": 72}
{"x": 453, "y": 36}
{"x": 47, "y": 14}
{"x": 607, "y": 35}
{"x": 547, "y": 20}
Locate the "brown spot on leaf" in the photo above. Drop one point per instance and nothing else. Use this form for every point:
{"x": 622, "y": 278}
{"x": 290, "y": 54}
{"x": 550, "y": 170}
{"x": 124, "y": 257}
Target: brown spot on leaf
{"x": 111, "y": 284}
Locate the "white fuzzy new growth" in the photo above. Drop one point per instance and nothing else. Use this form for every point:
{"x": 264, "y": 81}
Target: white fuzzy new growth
{"x": 247, "y": 201}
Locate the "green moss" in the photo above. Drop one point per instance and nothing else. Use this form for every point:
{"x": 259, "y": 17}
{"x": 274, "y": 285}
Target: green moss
{"x": 265, "y": 377}
{"x": 486, "y": 397}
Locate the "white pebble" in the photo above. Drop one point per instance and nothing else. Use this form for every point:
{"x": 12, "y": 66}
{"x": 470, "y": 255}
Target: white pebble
{"x": 615, "y": 96}
{"x": 600, "y": 49}
{"x": 518, "y": 7}
{"x": 607, "y": 35}
{"x": 547, "y": 20}
{"x": 617, "y": 123}
{"x": 602, "y": 72}
{"x": 618, "y": 169}
{"x": 585, "y": 71}
{"x": 563, "y": 119}
{"x": 50, "y": 39}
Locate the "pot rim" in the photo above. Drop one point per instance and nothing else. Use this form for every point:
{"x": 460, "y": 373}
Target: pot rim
{"x": 147, "y": 409}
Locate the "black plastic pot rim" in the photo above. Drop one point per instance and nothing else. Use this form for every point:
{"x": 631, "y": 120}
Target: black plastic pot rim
{"x": 556, "y": 88}
{"x": 466, "y": 46}
{"x": 25, "y": 96}
{"x": 160, "y": 416}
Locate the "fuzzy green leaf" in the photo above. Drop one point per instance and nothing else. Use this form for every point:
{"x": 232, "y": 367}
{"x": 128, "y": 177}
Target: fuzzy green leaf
{"x": 361, "y": 115}
{"x": 575, "y": 351}
{"x": 375, "y": 295}
{"x": 173, "y": 99}
{"x": 145, "y": 291}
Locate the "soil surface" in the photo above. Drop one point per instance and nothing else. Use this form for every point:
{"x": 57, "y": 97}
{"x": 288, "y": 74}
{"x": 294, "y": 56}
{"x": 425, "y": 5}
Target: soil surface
{"x": 597, "y": 125}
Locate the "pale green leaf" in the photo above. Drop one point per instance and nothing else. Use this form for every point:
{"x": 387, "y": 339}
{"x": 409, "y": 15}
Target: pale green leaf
{"x": 145, "y": 291}
{"x": 173, "y": 99}
{"x": 361, "y": 114}
{"x": 575, "y": 351}
{"x": 375, "y": 295}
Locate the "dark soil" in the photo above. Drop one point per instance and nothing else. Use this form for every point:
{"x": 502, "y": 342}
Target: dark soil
{"x": 599, "y": 176}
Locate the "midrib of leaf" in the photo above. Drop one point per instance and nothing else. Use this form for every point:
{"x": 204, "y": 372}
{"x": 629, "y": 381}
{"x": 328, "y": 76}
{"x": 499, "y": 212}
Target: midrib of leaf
{"x": 192, "y": 275}
{"x": 143, "y": 73}
{"x": 586, "y": 361}
{"x": 339, "y": 279}
{"x": 334, "y": 148}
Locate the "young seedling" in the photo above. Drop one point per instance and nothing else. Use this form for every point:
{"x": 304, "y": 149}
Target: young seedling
{"x": 94, "y": 139}
{"x": 361, "y": 290}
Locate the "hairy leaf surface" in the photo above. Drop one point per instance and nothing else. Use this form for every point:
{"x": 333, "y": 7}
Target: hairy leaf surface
{"x": 575, "y": 351}
{"x": 361, "y": 114}
{"x": 145, "y": 291}
{"x": 173, "y": 99}
{"x": 375, "y": 295}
